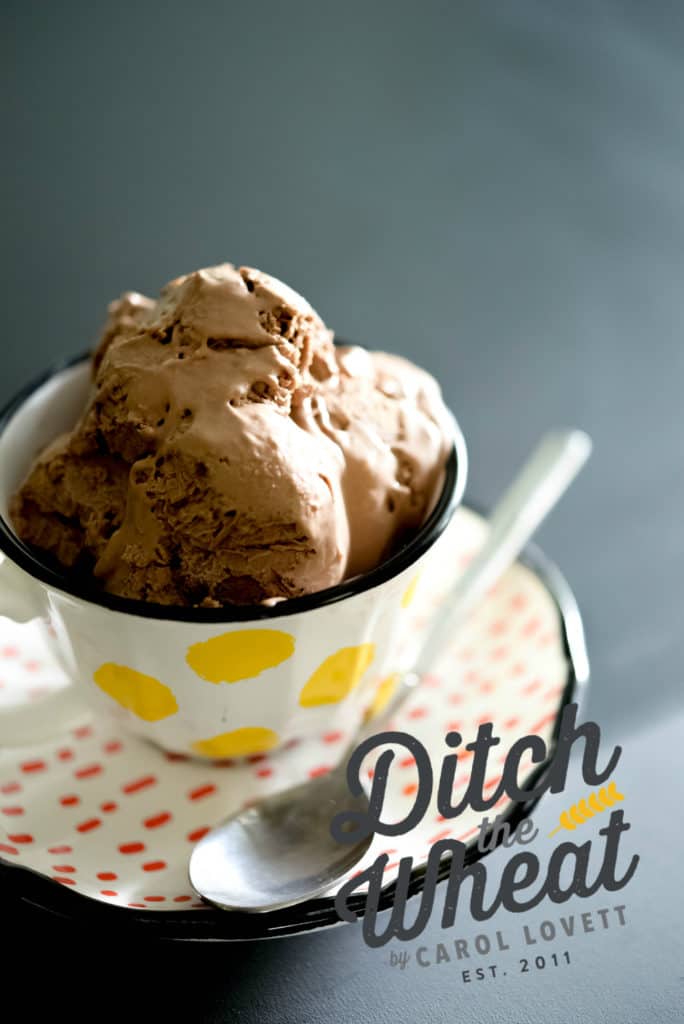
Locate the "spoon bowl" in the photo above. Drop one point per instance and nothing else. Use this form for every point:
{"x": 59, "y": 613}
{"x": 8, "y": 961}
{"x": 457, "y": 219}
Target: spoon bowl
{"x": 279, "y": 852}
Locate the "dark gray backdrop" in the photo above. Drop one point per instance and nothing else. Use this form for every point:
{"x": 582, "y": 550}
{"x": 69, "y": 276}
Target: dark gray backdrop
{"x": 493, "y": 189}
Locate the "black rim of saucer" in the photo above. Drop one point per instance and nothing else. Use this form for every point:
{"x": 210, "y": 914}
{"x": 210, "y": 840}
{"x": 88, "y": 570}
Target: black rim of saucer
{"x": 35, "y": 892}
{"x": 439, "y": 518}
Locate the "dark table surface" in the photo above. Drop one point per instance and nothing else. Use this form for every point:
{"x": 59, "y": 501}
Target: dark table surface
{"x": 494, "y": 190}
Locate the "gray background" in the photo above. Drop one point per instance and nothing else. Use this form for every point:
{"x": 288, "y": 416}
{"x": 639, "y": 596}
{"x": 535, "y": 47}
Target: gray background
{"x": 494, "y": 190}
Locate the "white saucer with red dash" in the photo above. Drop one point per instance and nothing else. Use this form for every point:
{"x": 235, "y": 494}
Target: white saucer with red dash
{"x": 99, "y": 813}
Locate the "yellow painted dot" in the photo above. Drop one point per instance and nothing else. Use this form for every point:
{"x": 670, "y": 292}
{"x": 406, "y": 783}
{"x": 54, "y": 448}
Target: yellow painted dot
{"x": 337, "y": 676}
{"x": 383, "y": 694}
{"x": 238, "y": 743}
{"x": 410, "y": 591}
{"x": 144, "y": 695}
{"x": 239, "y": 655}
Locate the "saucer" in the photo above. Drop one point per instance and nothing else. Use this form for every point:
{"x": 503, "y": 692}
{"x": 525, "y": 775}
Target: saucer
{"x": 97, "y": 824}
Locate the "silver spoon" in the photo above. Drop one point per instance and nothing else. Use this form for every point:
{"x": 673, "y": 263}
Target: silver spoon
{"x": 280, "y": 852}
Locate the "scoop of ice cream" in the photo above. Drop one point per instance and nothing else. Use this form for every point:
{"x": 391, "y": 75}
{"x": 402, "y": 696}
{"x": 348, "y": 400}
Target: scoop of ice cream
{"x": 230, "y": 453}
{"x": 386, "y": 417}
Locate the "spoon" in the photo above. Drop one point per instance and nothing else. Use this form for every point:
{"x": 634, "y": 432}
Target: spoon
{"x": 280, "y": 852}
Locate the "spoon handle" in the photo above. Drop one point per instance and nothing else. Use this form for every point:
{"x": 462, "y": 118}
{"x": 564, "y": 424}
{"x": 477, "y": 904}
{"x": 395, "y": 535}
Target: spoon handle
{"x": 536, "y": 489}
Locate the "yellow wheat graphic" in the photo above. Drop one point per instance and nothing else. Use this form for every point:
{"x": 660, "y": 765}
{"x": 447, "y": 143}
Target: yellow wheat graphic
{"x": 585, "y": 809}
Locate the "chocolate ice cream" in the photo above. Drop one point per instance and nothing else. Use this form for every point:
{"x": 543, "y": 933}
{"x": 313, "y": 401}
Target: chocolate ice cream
{"x": 231, "y": 453}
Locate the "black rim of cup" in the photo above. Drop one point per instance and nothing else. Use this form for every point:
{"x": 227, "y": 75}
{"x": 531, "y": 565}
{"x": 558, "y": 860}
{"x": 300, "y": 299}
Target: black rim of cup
{"x": 28, "y": 560}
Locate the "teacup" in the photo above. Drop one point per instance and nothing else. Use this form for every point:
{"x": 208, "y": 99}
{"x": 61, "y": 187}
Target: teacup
{"x": 211, "y": 683}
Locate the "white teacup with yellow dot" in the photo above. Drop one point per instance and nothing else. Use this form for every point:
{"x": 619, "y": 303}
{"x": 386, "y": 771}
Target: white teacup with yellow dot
{"x": 213, "y": 683}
